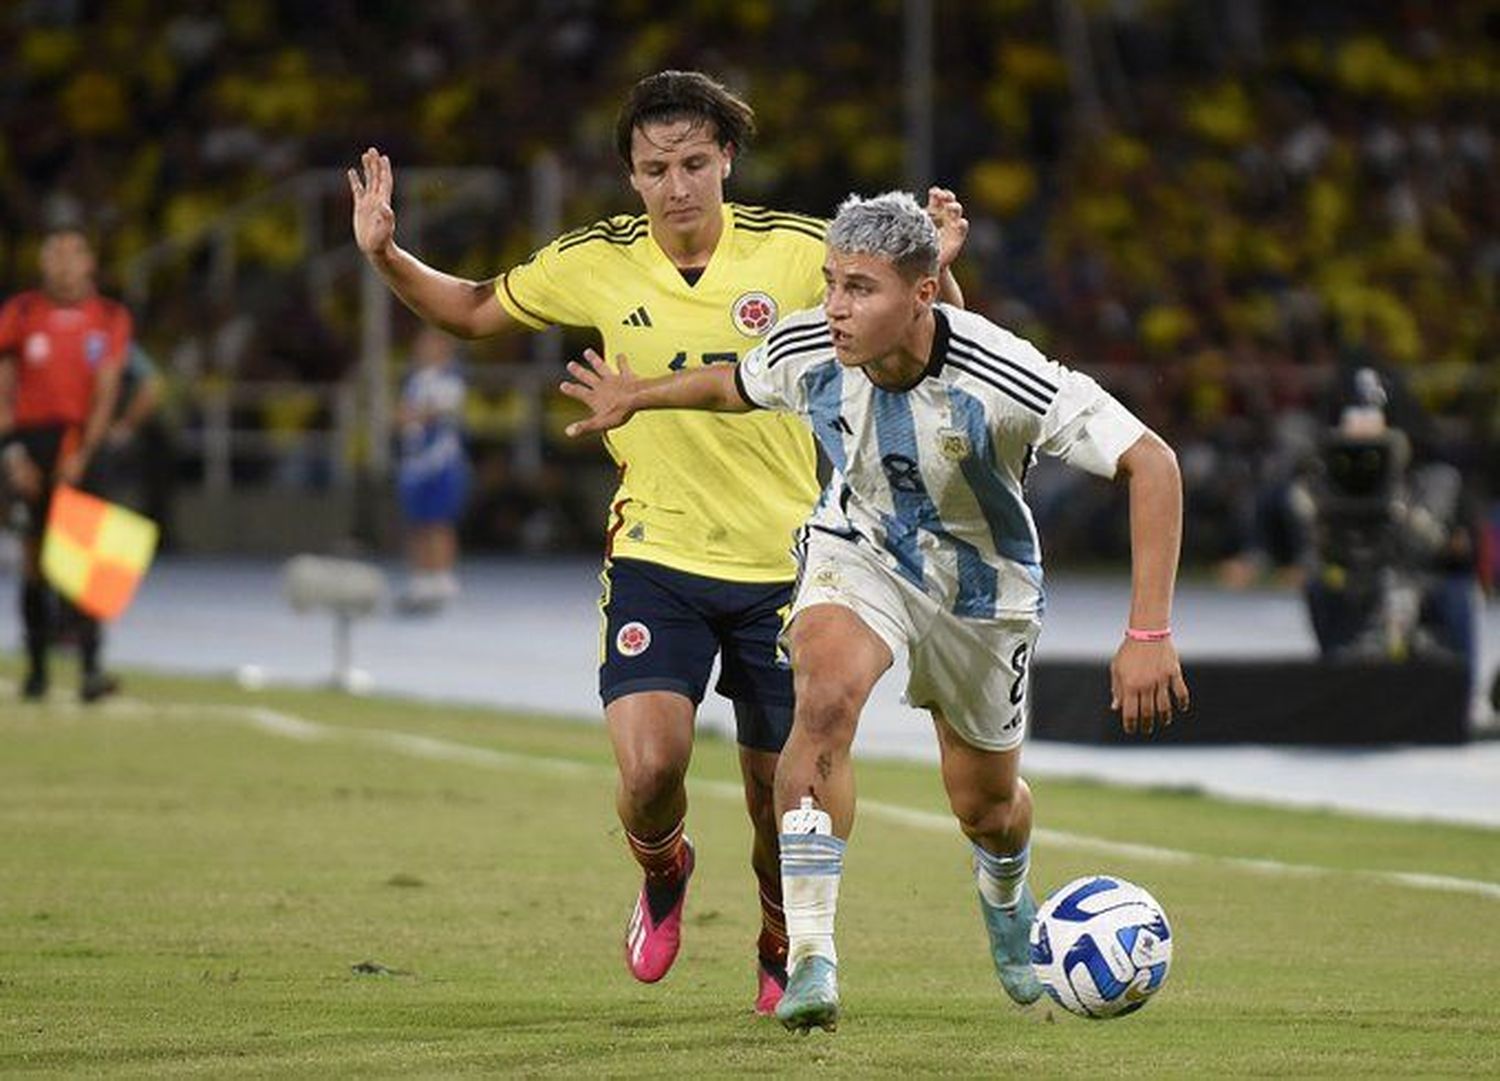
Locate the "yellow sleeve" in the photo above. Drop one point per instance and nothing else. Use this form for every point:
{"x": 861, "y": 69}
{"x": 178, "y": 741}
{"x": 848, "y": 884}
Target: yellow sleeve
{"x": 548, "y": 288}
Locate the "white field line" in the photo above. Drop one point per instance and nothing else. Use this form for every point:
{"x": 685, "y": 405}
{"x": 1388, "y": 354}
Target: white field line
{"x": 290, "y": 726}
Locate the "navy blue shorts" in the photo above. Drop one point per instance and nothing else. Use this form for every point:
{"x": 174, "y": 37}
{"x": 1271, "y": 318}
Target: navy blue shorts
{"x": 663, "y": 628}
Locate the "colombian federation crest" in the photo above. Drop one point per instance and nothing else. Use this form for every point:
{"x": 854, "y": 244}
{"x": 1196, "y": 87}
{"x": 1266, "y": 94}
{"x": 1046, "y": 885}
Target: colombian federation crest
{"x": 633, "y": 639}
{"x": 954, "y": 444}
{"x": 753, "y": 314}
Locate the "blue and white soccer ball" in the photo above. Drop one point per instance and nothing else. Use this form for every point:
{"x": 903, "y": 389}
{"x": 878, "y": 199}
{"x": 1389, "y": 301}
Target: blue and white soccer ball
{"x": 1101, "y": 946}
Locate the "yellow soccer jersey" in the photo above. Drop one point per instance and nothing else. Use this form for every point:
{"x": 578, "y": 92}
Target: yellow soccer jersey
{"x": 709, "y": 493}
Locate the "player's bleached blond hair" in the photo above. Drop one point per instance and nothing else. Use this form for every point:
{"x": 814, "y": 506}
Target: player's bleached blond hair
{"x": 893, "y": 226}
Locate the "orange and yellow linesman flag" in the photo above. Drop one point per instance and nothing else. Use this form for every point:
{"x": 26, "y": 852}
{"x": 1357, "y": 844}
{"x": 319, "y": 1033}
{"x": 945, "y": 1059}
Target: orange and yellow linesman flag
{"x": 95, "y": 552}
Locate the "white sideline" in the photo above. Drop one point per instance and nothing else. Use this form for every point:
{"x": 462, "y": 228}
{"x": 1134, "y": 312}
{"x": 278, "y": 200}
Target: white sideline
{"x": 290, "y": 726}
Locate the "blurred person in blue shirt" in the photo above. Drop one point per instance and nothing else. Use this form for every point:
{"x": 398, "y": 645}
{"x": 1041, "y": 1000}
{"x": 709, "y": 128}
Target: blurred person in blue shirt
{"x": 432, "y": 476}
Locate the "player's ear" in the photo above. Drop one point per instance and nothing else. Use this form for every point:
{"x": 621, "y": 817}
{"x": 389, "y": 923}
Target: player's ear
{"x": 728, "y": 159}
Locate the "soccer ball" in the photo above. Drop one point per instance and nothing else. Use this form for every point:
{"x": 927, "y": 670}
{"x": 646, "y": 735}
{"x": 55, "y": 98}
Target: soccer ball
{"x": 1101, "y": 946}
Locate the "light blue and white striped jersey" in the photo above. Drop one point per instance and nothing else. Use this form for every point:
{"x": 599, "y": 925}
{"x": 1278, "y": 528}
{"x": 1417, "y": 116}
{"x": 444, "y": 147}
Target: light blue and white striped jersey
{"x": 932, "y": 476}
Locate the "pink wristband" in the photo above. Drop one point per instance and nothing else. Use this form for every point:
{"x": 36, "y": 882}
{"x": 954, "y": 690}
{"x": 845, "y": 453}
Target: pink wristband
{"x": 1148, "y": 636}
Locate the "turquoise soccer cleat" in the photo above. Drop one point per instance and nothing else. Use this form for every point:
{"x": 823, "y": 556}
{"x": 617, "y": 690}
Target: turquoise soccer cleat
{"x": 1010, "y": 946}
{"x": 811, "y": 999}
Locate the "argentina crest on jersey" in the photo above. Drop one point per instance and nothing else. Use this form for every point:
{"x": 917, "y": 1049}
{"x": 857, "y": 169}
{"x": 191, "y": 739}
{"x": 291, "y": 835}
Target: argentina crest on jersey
{"x": 954, "y": 444}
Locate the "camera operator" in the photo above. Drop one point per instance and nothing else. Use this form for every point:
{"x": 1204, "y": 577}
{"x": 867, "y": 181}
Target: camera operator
{"x": 1394, "y": 572}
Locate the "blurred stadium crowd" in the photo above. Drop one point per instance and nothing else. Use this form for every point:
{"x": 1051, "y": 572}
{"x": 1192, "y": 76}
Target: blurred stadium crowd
{"x": 1213, "y": 205}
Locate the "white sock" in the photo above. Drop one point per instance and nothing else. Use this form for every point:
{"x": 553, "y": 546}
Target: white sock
{"x": 811, "y": 865}
{"x": 1001, "y": 878}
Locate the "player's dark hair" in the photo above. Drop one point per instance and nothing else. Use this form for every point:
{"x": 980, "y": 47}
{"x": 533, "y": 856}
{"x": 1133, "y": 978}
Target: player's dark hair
{"x": 669, "y": 96}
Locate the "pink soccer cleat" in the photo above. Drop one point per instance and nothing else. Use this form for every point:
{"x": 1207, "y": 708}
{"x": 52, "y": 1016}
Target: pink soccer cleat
{"x": 772, "y": 976}
{"x": 651, "y": 946}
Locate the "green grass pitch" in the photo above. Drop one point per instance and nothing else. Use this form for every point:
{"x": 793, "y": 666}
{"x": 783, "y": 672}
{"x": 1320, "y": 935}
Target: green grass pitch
{"x": 190, "y": 877}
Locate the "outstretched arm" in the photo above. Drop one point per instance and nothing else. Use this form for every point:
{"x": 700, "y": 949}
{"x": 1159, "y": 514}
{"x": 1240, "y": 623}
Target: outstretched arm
{"x": 613, "y": 397}
{"x": 467, "y": 309}
{"x": 1146, "y": 683}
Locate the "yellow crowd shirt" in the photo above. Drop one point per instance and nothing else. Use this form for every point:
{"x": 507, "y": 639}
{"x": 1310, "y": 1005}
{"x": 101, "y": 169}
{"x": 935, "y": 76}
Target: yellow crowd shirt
{"x": 709, "y": 493}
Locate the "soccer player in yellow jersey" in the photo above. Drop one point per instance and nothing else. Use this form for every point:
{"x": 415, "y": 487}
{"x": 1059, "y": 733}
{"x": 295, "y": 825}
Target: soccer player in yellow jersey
{"x": 698, "y": 560}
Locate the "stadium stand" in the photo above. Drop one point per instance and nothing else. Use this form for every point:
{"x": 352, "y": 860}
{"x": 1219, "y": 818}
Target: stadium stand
{"x": 1209, "y": 205}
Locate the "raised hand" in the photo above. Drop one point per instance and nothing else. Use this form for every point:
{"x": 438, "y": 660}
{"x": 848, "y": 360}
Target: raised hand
{"x": 374, "y": 219}
{"x": 605, "y": 391}
{"x": 947, "y": 213}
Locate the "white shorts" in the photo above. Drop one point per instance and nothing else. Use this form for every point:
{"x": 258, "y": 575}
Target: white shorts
{"x": 973, "y": 671}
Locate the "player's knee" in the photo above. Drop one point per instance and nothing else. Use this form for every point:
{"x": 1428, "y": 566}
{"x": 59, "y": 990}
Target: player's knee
{"x": 651, "y": 779}
{"x": 987, "y": 814}
{"x": 828, "y": 710}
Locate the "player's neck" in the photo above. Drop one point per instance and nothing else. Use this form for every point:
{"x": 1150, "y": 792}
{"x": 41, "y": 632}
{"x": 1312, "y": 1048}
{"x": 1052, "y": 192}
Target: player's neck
{"x": 903, "y": 367}
{"x": 692, "y": 249}
{"x": 68, "y": 298}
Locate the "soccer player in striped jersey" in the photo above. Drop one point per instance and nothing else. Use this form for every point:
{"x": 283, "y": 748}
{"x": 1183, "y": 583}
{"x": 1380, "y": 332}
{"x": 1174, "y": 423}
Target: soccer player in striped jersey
{"x": 923, "y": 545}
{"x": 701, "y": 529}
